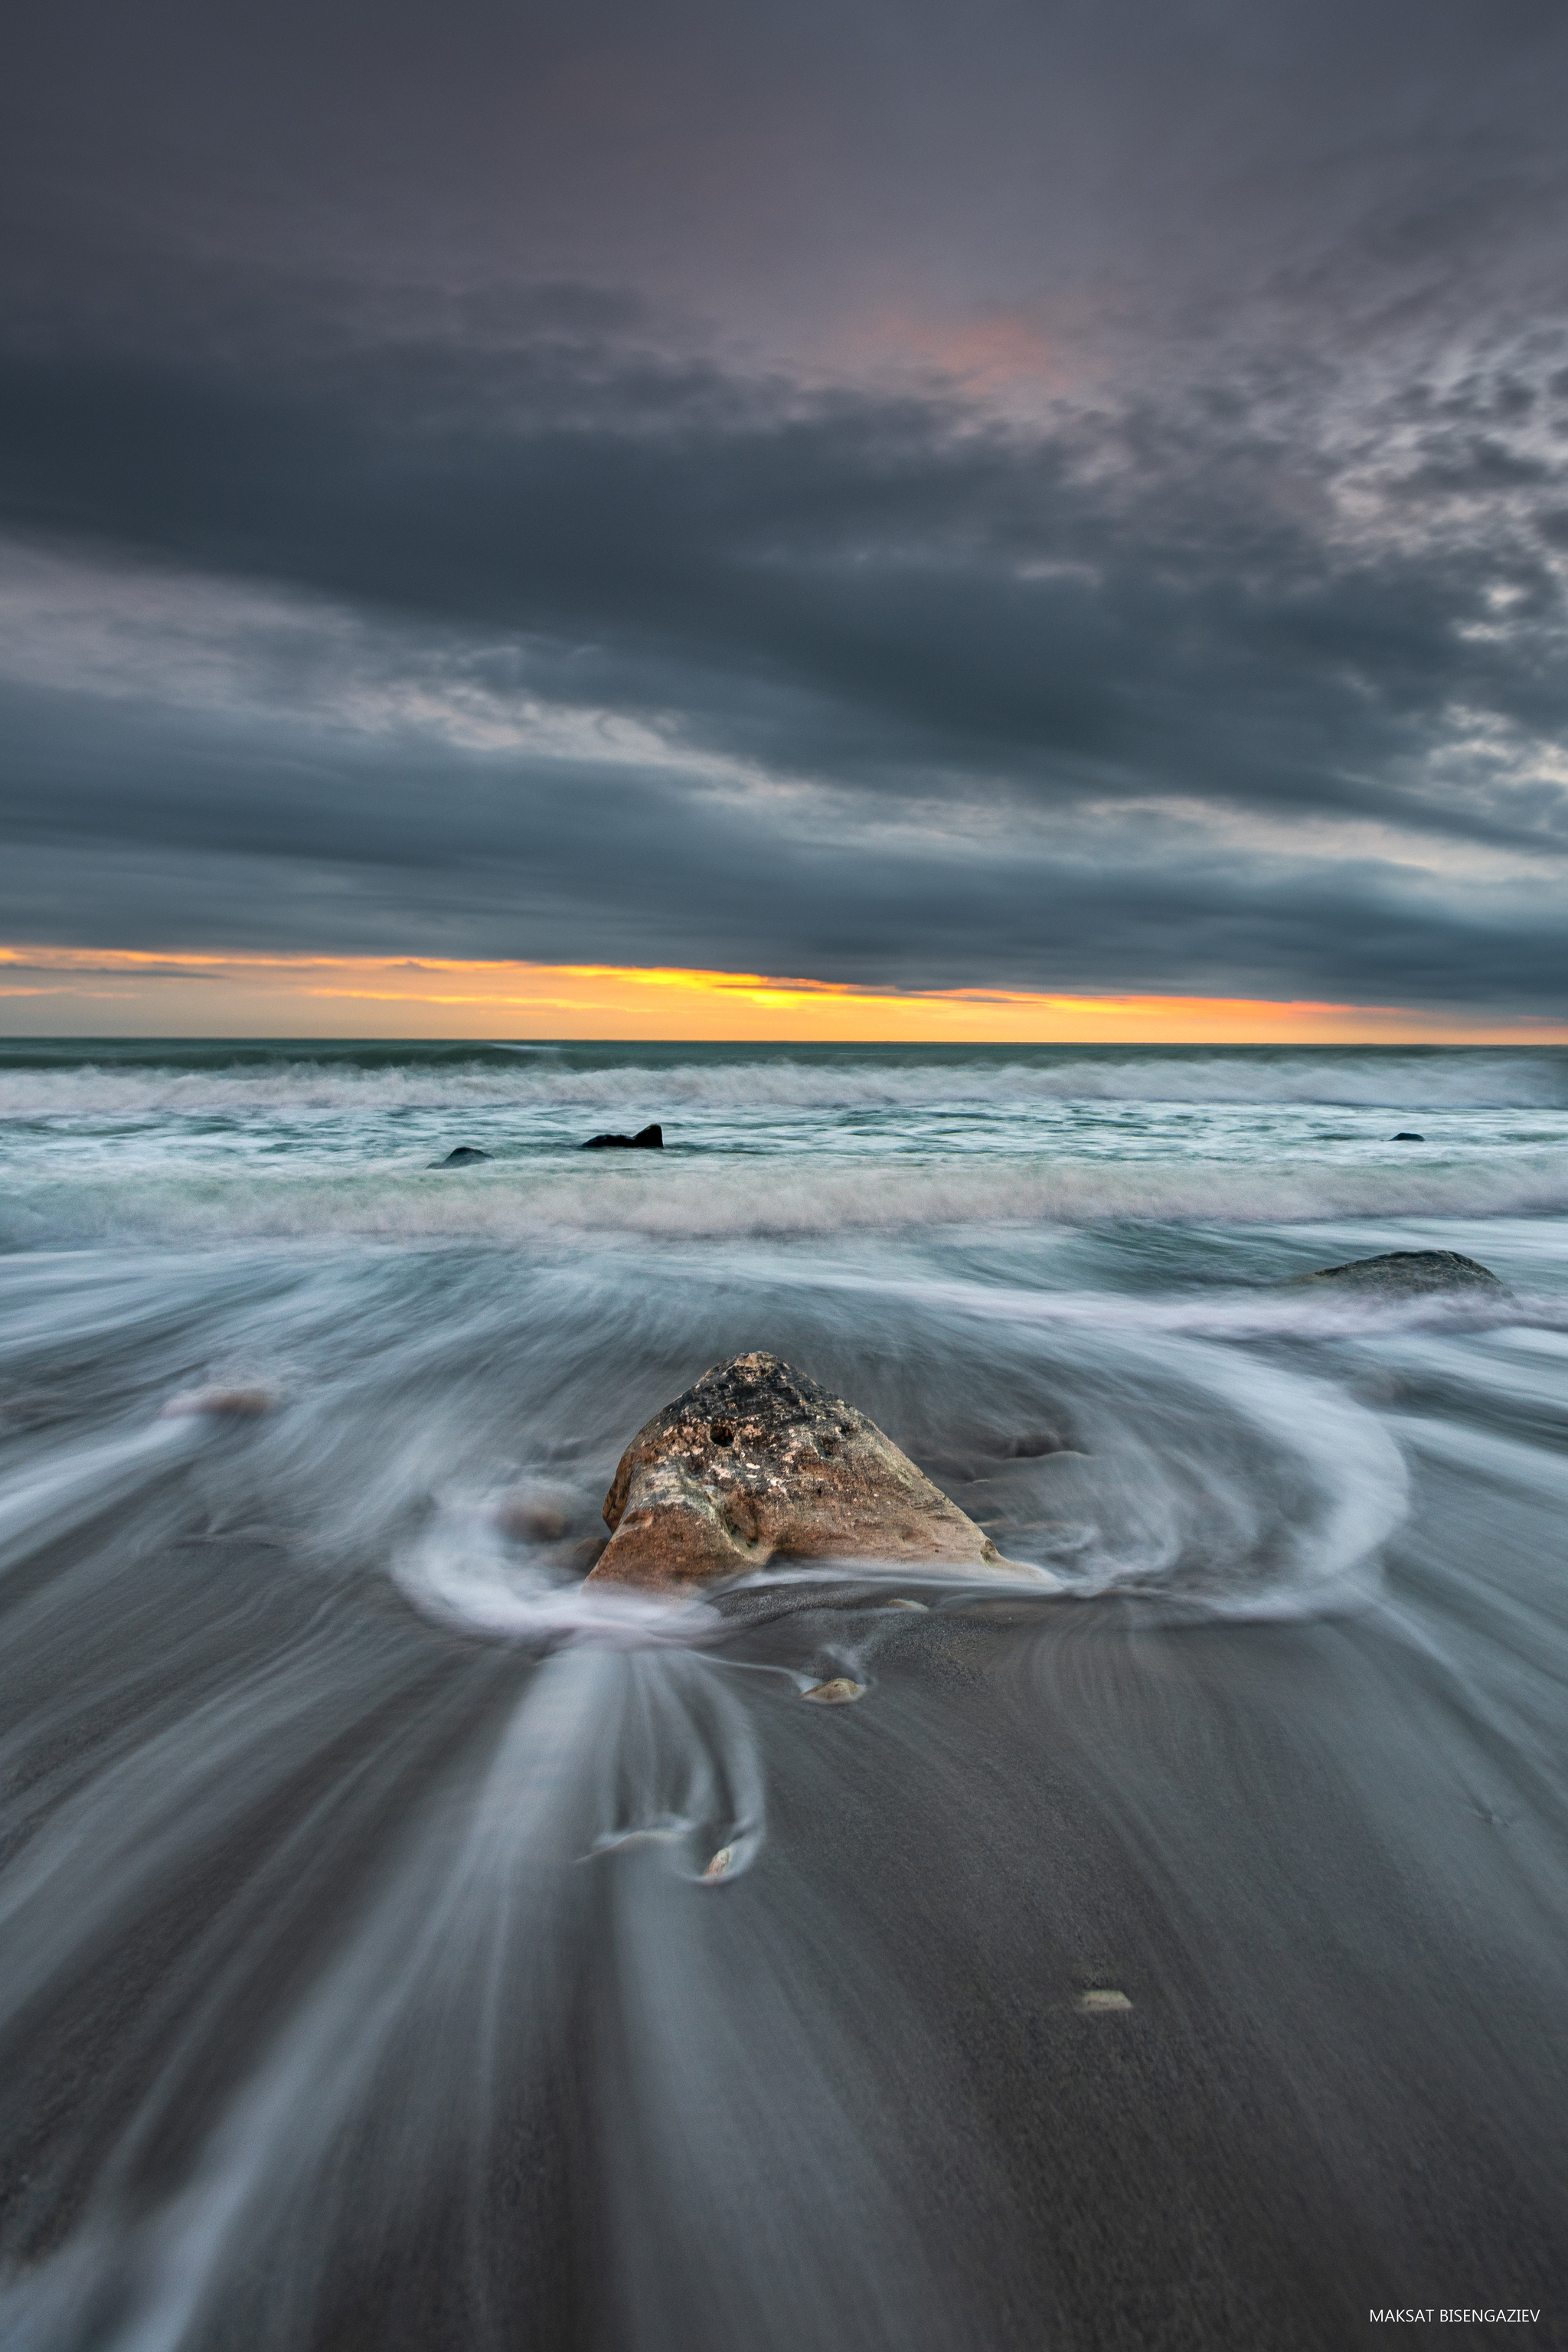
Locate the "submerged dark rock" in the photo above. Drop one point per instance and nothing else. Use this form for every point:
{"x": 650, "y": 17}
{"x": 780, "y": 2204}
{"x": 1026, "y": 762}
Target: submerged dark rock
{"x": 647, "y": 1139}
{"x": 1410, "y": 1274}
{"x": 1408, "y": 1135}
{"x": 756, "y": 1462}
{"x": 463, "y": 1157}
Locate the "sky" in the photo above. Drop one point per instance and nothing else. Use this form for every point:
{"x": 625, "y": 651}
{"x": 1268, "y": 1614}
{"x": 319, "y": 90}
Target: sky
{"x": 1019, "y": 518}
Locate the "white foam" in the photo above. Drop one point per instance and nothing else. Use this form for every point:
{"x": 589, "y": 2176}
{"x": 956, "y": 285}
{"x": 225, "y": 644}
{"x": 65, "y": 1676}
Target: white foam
{"x": 303, "y": 1087}
{"x": 58, "y": 1491}
{"x": 460, "y": 1573}
{"x": 738, "y": 1195}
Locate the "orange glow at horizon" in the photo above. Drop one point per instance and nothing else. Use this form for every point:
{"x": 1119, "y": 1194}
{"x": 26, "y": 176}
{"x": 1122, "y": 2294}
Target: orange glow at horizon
{"x": 84, "y": 992}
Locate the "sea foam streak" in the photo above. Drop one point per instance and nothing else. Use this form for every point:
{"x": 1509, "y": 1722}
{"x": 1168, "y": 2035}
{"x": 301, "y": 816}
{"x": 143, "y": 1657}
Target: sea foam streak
{"x": 312, "y": 1084}
{"x": 339, "y": 1146}
{"x": 409, "y": 1948}
{"x": 520, "y": 1201}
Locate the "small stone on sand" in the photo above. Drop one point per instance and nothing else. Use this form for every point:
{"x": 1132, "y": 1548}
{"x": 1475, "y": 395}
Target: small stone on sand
{"x": 1101, "y": 2000}
{"x": 718, "y": 1866}
{"x": 836, "y": 1693}
{"x": 236, "y": 1402}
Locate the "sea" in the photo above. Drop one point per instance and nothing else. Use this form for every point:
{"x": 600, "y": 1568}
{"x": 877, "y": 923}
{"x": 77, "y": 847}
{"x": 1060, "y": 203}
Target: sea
{"x": 405, "y": 1944}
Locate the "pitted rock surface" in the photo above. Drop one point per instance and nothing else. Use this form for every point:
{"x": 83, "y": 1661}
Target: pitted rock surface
{"x": 1410, "y": 1274}
{"x": 757, "y": 1462}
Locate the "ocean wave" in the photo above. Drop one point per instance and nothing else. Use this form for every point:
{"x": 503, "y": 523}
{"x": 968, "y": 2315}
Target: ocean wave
{"x": 248, "y": 1086}
{"x": 687, "y": 1199}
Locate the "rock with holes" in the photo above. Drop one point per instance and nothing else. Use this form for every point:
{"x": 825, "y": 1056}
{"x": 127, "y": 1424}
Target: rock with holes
{"x": 756, "y": 1462}
{"x": 1410, "y": 1274}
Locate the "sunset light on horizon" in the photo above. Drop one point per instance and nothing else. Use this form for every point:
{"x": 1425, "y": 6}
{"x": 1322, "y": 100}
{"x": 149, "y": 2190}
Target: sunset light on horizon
{"x": 60, "y": 992}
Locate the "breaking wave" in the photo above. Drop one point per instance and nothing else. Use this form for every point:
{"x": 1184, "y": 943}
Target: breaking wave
{"x": 681, "y": 1198}
{"x": 208, "y": 1083}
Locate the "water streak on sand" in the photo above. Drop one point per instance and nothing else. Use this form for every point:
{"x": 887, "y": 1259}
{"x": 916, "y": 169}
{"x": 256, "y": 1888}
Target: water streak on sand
{"x": 370, "y": 1983}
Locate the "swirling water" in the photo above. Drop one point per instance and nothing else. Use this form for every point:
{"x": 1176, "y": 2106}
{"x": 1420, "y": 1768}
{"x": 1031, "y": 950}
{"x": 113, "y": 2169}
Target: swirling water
{"x": 366, "y": 1983}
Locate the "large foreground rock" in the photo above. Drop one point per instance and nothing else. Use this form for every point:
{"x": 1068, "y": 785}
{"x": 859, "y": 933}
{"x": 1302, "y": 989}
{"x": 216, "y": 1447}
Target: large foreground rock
{"x": 1410, "y": 1274}
{"x": 757, "y": 1463}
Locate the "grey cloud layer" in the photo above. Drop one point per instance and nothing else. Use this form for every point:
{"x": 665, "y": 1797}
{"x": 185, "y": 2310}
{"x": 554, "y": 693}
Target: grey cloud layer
{"x": 896, "y": 677}
{"x": 566, "y": 876}
{"x": 772, "y": 160}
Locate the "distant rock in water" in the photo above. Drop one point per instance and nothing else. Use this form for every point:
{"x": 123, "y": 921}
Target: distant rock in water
{"x": 1407, "y": 1135}
{"x": 756, "y": 1462}
{"x": 463, "y": 1157}
{"x": 1410, "y": 1274}
{"x": 647, "y": 1139}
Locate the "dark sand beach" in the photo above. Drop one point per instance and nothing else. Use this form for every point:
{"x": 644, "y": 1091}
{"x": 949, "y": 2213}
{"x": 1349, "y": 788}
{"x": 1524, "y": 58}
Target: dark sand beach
{"x": 854, "y": 2095}
{"x": 410, "y": 1947}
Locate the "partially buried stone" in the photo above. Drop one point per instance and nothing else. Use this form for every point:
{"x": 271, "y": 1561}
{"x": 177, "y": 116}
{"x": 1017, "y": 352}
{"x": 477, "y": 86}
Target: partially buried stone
{"x": 1409, "y": 1274}
{"x": 463, "y": 1157}
{"x": 1408, "y": 1135}
{"x": 235, "y": 1403}
{"x": 757, "y": 1463}
{"x": 647, "y": 1139}
{"x": 840, "y": 1691}
{"x": 532, "y": 1515}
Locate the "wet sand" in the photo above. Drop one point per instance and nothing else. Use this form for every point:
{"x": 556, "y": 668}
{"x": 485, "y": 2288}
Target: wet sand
{"x": 851, "y": 2097}
{"x": 1343, "y": 2082}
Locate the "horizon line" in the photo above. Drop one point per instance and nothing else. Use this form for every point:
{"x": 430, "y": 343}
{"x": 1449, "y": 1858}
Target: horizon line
{"x": 180, "y": 994}
{"x": 679, "y": 1037}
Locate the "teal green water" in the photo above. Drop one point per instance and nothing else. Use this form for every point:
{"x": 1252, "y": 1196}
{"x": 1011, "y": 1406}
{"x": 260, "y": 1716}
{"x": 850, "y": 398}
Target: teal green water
{"x": 180, "y": 1142}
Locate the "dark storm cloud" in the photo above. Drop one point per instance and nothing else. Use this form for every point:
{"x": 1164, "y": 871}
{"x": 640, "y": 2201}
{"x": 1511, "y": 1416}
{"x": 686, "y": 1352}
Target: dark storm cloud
{"x": 855, "y": 589}
{"x": 516, "y": 359}
{"x": 284, "y": 843}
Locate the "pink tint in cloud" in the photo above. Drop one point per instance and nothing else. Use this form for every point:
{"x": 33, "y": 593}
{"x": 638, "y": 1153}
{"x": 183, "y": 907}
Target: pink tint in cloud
{"x": 1002, "y": 357}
